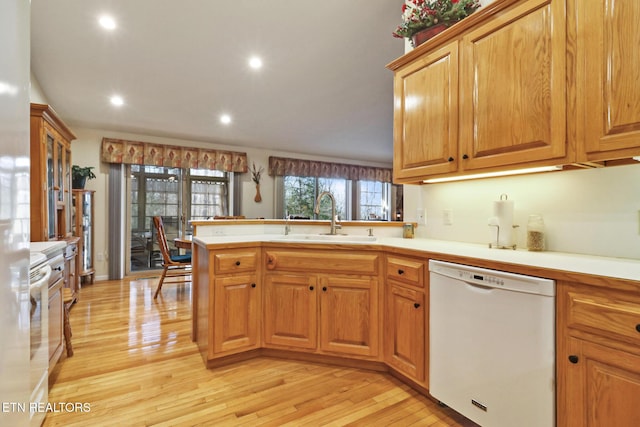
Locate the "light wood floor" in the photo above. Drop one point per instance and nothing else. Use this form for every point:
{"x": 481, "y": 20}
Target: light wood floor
{"x": 135, "y": 365}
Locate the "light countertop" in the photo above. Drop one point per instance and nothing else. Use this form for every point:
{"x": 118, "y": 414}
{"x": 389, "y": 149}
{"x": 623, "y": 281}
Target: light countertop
{"x": 620, "y": 268}
{"x": 48, "y": 248}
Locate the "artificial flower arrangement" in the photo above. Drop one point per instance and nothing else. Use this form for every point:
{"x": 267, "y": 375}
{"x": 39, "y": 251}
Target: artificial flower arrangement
{"x": 418, "y": 15}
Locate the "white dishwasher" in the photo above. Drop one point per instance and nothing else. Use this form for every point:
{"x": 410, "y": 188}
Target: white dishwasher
{"x": 492, "y": 345}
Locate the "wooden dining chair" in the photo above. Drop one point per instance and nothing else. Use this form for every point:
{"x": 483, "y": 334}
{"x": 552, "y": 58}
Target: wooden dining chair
{"x": 176, "y": 267}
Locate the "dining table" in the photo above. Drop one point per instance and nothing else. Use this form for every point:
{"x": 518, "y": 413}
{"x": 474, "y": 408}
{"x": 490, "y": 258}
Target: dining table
{"x": 183, "y": 242}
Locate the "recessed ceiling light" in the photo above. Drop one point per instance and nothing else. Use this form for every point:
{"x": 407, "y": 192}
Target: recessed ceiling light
{"x": 117, "y": 100}
{"x": 225, "y": 119}
{"x": 255, "y": 62}
{"x": 107, "y": 22}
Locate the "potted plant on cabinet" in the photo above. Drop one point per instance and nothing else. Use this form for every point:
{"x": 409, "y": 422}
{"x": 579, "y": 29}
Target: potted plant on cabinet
{"x": 79, "y": 176}
{"x": 423, "y": 19}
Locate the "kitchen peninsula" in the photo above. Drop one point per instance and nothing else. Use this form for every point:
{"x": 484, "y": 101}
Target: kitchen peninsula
{"x": 365, "y": 302}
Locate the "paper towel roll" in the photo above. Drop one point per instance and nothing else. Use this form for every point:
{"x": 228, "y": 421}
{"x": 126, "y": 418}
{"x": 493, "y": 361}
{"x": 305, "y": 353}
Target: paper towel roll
{"x": 503, "y": 211}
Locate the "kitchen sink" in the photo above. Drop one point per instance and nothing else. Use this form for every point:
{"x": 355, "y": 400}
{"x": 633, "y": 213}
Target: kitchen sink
{"x": 327, "y": 238}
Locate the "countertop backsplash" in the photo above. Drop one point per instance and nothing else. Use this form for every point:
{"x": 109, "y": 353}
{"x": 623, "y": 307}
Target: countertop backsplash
{"x": 590, "y": 212}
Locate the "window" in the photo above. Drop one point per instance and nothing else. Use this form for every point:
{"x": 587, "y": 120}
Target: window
{"x": 179, "y": 196}
{"x": 209, "y": 195}
{"x": 373, "y": 200}
{"x": 299, "y": 194}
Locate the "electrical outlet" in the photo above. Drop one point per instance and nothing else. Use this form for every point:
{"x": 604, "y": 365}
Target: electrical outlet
{"x": 99, "y": 256}
{"x": 421, "y": 217}
{"x": 447, "y": 217}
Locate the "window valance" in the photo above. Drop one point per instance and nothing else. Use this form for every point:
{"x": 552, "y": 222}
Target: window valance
{"x": 280, "y": 166}
{"x": 146, "y": 153}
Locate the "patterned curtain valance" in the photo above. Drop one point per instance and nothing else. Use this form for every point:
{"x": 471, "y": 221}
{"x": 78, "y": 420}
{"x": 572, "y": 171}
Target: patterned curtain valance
{"x": 279, "y": 166}
{"x": 146, "y": 153}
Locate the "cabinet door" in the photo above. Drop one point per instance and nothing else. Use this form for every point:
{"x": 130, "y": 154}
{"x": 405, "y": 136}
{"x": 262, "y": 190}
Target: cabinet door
{"x": 603, "y": 386}
{"x": 405, "y": 331}
{"x": 513, "y": 84}
{"x": 608, "y": 79}
{"x": 426, "y": 116}
{"x": 55, "y": 322}
{"x": 290, "y": 311}
{"x": 236, "y": 302}
{"x": 349, "y": 315}
{"x": 51, "y": 188}
{"x": 68, "y": 195}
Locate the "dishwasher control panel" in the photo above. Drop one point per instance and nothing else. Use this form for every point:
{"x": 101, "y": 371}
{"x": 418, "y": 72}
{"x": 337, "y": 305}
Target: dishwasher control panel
{"x": 493, "y": 278}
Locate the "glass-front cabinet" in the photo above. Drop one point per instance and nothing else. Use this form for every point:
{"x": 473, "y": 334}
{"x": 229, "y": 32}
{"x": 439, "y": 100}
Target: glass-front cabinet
{"x": 50, "y": 152}
{"x": 83, "y": 205}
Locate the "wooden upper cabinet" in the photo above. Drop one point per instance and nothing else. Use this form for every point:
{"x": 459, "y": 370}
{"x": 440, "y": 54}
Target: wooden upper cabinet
{"x": 608, "y": 79}
{"x": 487, "y": 94}
{"x": 512, "y": 88}
{"x": 426, "y": 115}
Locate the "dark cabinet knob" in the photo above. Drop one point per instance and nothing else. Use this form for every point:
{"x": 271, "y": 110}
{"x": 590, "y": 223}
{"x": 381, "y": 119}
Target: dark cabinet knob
{"x": 573, "y": 359}
{"x": 237, "y": 262}
{"x": 310, "y": 288}
{"x": 450, "y": 159}
{"x": 416, "y": 305}
{"x": 400, "y": 271}
{"x": 253, "y": 285}
{"x": 638, "y": 327}
{"x": 324, "y": 289}
{"x": 464, "y": 156}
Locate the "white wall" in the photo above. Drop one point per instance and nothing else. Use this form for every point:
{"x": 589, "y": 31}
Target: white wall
{"x": 85, "y": 151}
{"x": 36, "y": 94}
{"x": 594, "y": 212}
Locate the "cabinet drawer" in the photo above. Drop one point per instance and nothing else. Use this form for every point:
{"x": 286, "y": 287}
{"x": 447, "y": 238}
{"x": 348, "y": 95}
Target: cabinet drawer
{"x": 407, "y": 270}
{"x": 233, "y": 261}
{"x": 71, "y": 250}
{"x": 323, "y": 261}
{"x": 608, "y": 315}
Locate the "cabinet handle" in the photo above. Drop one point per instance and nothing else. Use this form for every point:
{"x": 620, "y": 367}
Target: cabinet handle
{"x": 310, "y": 288}
{"x": 324, "y": 289}
{"x": 416, "y": 305}
{"x": 464, "y": 156}
{"x": 638, "y": 327}
{"x": 58, "y": 269}
{"x": 573, "y": 359}
{"x": 450, "y": 159}
{"x": 237, "y": 262}
{"x": 253, "y": 285}
{"x": 400, "y": 271}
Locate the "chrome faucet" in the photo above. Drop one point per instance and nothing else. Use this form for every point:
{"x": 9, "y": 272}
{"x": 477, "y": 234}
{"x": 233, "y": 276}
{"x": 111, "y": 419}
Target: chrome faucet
{"x": 334, "y": 226}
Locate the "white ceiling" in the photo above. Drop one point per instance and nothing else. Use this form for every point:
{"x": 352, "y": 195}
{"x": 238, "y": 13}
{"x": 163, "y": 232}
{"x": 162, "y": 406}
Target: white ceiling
{"x": 324, "y": 89}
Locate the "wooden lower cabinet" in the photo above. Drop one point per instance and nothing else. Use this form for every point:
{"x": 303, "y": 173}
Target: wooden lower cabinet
{"x": 236, "y": 309}
{"x": 603, "y": 386}
{"x": 227, "y": 296}
{"x": 349, "y": 315}
{"x": 598, "y": 356}
{"x": 326, "y": 313}
{"x": 405, "y": 331}
{"x": 71, "y": 277}
{"x": 55, "y": 319}
{"x": 290, "y": 311}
